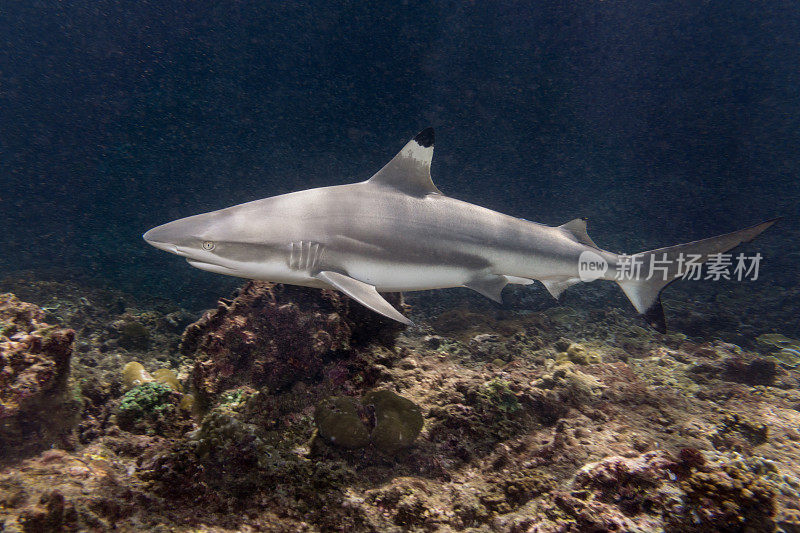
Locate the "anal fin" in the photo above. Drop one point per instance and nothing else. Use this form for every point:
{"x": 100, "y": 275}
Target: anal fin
{"x": 363, "y": 293}
{"x": 558, "y": 286}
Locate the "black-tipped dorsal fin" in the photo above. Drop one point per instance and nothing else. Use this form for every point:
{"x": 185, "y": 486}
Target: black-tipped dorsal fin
{"x": 410, "y": 170}
{"x": 577, "y": 230}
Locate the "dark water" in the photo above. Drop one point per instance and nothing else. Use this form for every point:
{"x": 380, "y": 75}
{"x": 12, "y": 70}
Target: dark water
{"x": 661, "y": 122}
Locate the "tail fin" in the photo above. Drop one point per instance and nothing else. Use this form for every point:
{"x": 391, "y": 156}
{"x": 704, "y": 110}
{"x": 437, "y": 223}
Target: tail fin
{"x": 658, "y": 268}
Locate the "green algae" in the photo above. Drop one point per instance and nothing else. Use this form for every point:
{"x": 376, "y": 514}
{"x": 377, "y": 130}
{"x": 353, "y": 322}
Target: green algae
{"x": 498, "y": 393}
{"x": 234, "y": 399}
{"x": 148, "y": 401}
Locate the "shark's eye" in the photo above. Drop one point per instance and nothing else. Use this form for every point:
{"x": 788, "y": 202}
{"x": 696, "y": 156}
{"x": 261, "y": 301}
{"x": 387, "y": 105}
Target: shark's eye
{"x": 208, "y": 245}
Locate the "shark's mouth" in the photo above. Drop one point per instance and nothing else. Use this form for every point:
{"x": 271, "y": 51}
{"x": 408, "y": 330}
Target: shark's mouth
{"x": 212, "y": 267}
{"x": 166, "y": 246}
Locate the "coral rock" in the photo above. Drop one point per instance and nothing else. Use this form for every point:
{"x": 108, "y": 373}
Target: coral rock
{"x": 691, "y": 495}
{"x": 34, "y": 367}
{"x": 398, "y": 421}
{"x": 339, "y": 423}
{"x": 134, "y": 336}
{"x": 273, "y": 335}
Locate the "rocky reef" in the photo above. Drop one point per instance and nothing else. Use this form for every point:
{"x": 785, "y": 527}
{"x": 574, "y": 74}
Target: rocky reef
{"x": 274, "y": 335}
{"x": 393, "y": 422}
{"x": 313, "y": 414}
{"x": 37, "y": 408}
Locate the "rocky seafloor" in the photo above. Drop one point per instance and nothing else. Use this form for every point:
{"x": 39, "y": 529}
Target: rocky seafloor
{"x": 292, "y": 409}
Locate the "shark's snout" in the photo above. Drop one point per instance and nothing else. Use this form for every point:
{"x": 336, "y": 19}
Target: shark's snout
{"x": 181, "y": 234}
{"x": 167, "y": 237}
{"x": 185, "y": 237}
{"x": 160, "y": 239}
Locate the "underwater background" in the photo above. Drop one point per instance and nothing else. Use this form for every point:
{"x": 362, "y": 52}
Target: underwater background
{"x": 661, "y": 122}
{"x": 140, "y": 394}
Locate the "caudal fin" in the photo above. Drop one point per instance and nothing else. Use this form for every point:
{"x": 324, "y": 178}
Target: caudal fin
{"x": 649, "y": 272}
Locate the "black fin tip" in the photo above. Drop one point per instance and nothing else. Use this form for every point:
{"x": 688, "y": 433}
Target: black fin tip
{"x": 425, "y": 138}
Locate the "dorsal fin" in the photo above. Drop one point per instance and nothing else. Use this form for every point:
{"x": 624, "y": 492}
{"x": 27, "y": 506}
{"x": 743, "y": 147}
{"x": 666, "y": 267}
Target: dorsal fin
{"x": 577, "y": 229}
{"x": 410, "y": 170}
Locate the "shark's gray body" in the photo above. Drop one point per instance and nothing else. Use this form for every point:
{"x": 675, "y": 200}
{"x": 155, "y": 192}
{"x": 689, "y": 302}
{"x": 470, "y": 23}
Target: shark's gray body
{"x": 398, "y": 232}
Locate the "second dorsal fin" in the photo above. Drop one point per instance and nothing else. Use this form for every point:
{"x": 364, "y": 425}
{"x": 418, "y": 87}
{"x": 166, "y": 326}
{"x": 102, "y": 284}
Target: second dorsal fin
{"x": 577, "y": 230}
{"x": 410, "y": 170}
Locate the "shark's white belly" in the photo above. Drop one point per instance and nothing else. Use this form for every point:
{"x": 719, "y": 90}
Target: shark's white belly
{"x": 399, "y": 277}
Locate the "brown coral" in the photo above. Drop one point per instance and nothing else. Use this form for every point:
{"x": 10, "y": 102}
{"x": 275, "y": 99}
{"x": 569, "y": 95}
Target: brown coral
{"x": 274, "y": 335}
{"x": 34, "y": 366}
{"x": 727, "y": 499}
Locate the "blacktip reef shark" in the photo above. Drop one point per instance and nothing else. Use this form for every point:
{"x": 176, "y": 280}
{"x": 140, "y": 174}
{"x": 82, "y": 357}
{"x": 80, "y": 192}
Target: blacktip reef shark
{"x": 397, "y": 232}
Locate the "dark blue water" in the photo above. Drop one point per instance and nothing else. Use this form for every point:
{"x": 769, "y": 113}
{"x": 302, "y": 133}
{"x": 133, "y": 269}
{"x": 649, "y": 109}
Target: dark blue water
{"x": 661, "y": 122}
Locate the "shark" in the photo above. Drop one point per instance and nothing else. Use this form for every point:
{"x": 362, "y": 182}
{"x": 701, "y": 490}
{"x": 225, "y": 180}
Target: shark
{"x": 398, "y": 232}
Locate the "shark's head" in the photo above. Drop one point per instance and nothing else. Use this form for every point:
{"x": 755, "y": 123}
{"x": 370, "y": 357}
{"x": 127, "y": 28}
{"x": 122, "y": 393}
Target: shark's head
{"x": 201, "y": 239}
{"x": 223, "y": 242}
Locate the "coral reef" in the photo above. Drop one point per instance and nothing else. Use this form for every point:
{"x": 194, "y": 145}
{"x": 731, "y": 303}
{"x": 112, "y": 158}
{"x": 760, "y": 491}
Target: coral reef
{"x": 579, "y": 354}
{"x": 725, "y": 500}
{"x": 690, "y": 493}
{"x": 152, "y": 408}
{"x": 339, "y": 423}
{"x": 395, "y": 421}
{"x": 273, "y": 335}
{"x": 61, "y": 492}
{"x": 133, "y": 336}
{"x": 134, "y": 374}
{"x": 36, "y": 405}
{"x": 167, "y": 377}
{"x": 153, "y": 404}
{"x": 553, "y": 420}
{"x": 398, "y": 420}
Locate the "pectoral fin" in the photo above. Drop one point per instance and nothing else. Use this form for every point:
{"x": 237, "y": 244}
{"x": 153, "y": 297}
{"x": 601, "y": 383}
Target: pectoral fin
{"x": 363, "y": 293}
